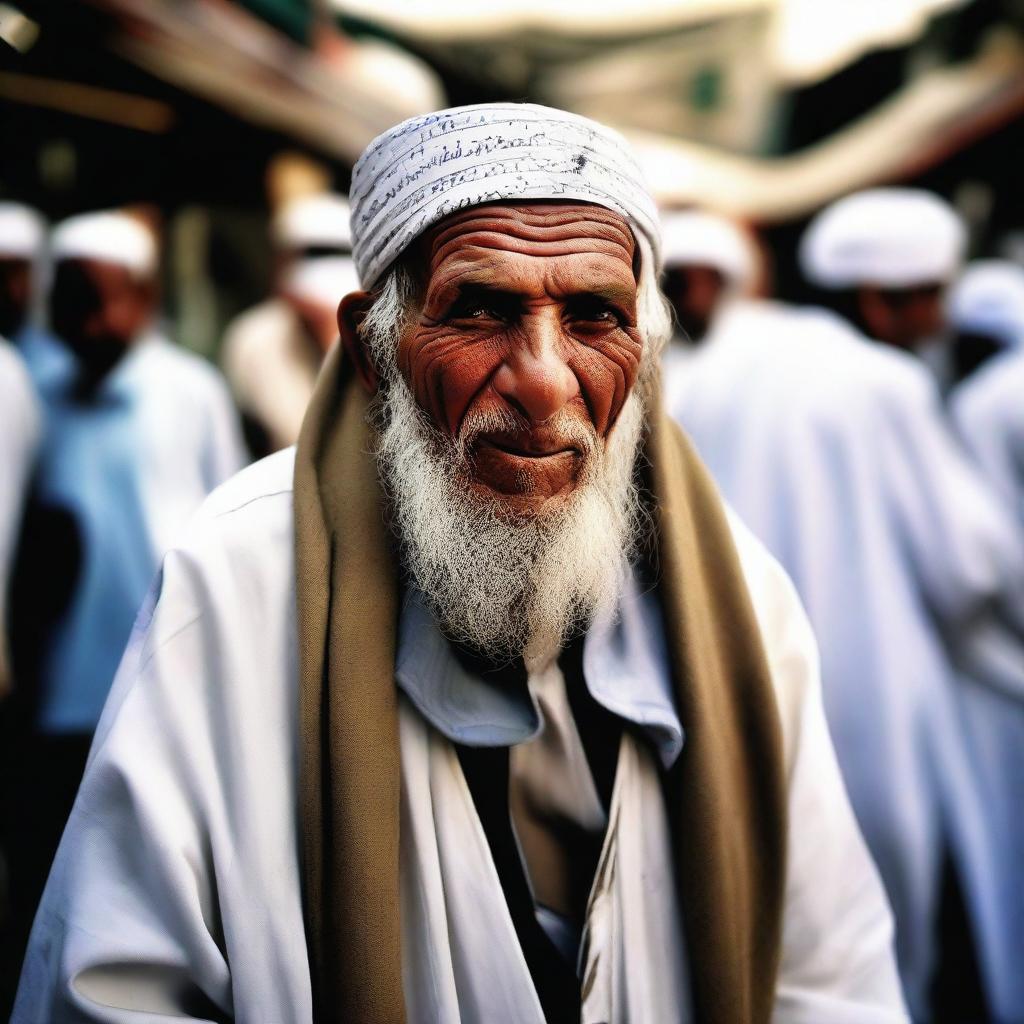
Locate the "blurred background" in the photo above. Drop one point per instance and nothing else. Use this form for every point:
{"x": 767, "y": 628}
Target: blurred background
{"x": 212, "y": 113}
{"x": 224, "y": 133}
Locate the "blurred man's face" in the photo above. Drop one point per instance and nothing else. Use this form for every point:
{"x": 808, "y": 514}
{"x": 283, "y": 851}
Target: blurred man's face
{"x": 904, "y": 317}
{"x": 694, "y": 292}
{"x": 15, "y": 294}
{"x": 526, "y": 347}
{"x": 98, "y": 310}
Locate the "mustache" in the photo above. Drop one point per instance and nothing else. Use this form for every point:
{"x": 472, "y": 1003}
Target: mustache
{"x": 564, "y": 430}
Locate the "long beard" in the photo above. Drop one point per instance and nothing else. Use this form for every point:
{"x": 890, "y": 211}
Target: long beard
{"x": 509, "y": 585}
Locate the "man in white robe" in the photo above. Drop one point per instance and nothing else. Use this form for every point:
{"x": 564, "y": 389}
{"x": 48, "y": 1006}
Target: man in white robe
{"x": 133, "y": 442}
{"x": 272, "y": 352}
{"x": 988, "y": 409}
{"x": 836, "y": 452}
{"x": 709, "y": 263}
{"x": 986, "y": 314}
{"x": 529, "y": 634}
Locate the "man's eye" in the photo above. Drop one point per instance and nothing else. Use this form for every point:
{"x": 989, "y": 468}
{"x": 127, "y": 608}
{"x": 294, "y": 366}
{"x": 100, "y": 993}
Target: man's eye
{"x": 593, "y": 313}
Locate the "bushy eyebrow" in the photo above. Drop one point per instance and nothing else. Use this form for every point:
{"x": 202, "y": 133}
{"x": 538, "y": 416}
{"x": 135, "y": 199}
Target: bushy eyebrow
{"x": 478, "y": 291}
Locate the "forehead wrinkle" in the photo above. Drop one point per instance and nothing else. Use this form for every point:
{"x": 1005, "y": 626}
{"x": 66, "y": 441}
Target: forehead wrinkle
{"x": 555, "y": 222}
{"x": 572, "y": 272}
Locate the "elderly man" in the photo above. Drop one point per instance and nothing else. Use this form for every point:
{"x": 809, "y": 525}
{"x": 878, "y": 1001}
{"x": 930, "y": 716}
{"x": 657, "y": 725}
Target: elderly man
{"x": 272, "y": 352}
{"x": 463, "y": 712}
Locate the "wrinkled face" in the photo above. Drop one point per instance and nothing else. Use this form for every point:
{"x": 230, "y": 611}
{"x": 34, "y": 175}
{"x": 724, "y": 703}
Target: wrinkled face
{"x": 904, "y": 317}
{"x": 526, "y": 342}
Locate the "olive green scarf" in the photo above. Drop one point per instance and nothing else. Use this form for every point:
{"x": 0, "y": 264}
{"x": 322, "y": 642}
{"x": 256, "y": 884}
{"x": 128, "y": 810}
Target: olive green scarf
{"x": 726, "y": 793}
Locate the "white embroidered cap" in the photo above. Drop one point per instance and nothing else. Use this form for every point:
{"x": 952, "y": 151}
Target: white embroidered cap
{"x": 21, "y": 232}
{"x": 889, "y": 237}
{"x": 701, "y": 238}
{"x": 313, "y": 220}
{"x": 107, "y": 237}
{"x": 989, "y": 299}
{"x": 430, "y": 166}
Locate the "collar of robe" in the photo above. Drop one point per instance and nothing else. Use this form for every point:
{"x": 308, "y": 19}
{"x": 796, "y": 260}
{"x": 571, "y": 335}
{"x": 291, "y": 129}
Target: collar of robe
{"x": 726, "y": 792}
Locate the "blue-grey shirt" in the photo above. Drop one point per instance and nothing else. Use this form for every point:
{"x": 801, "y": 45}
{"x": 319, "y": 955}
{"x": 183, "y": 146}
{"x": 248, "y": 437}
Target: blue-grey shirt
{"x": 625, "y": 667}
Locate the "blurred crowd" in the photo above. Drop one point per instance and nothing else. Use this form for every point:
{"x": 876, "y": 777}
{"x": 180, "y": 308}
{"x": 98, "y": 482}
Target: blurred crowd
{"x": 873, "y": 439}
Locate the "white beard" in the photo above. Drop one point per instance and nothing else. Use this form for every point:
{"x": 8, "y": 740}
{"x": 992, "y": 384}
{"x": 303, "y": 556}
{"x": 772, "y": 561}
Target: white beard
{"x": 509, "y": 585}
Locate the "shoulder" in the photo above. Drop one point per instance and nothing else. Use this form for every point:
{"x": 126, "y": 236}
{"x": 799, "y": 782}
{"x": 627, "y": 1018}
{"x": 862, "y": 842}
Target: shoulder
{"x": 250, "y": 514}
{"x": 256, "y": 328}
{"x": 230, "y": 573}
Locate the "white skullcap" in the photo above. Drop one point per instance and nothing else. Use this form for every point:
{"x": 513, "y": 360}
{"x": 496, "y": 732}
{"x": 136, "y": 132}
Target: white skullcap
{"x": 322, "y": 280}
{"x": 428, "y": 167}
{"x": 890, "y": 237}
{"x": 699, "y": 238}
{"x": 989, "y": 299}
{"x": 21, "y": 232}
{"x": 316, "y": 220}
{"x": 106, "y": 237}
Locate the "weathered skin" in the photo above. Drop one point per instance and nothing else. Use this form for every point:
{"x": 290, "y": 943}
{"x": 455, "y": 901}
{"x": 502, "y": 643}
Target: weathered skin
{"x": 525, "y": 307}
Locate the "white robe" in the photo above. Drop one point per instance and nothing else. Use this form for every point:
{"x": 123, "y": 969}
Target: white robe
{"x": 834, "y": 451}
{"x": 988, "y": 409}
{"x": 177, "y": 887}
{"x": 20, "y": 428}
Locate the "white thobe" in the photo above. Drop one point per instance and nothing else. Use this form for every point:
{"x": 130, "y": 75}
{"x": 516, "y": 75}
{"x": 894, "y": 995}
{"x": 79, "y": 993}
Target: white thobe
{"x": 271, "y": 364}
{"x": 835, "y": 452}
{"x": 988, "y": 409}
{"x": 20, "y": 428}
{"x": 177, "y": 886}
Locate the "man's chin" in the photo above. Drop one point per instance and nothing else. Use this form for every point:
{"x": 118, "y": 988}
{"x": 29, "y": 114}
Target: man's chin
{"x": 520, "y": 504}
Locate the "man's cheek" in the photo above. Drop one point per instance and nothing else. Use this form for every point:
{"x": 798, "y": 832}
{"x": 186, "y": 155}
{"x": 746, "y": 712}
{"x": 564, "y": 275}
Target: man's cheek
{"x": 446, "y": 374}
{"x": 606, "y": 379}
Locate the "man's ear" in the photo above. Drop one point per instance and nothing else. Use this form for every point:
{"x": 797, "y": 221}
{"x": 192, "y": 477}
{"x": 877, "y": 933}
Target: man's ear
{"x": 351, "y": 313}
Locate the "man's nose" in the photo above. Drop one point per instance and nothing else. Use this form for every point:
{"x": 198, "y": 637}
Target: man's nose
{"x": 535, "y": 378}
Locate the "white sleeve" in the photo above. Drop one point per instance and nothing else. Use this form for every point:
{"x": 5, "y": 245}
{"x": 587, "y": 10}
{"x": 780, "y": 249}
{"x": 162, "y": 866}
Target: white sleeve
{"x": 838, "y": 961}
{"x": 129, "y": 924}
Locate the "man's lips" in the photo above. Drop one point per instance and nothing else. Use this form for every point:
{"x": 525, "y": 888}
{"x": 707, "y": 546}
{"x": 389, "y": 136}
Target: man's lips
{"x": 528, "y": 450}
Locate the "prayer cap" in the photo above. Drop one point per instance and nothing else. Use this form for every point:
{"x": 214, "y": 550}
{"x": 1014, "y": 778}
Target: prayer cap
{"x": 322, "y": 280}
{"x": 314, "y": 220}
{"x": 21, "y": 232}
{"x": 989, "y": 299}
{"x": 433, "y": 165}
{"x": 890, "y": 237}
{"x": 106, "y": 237}
{"x": 699, "y": 238}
